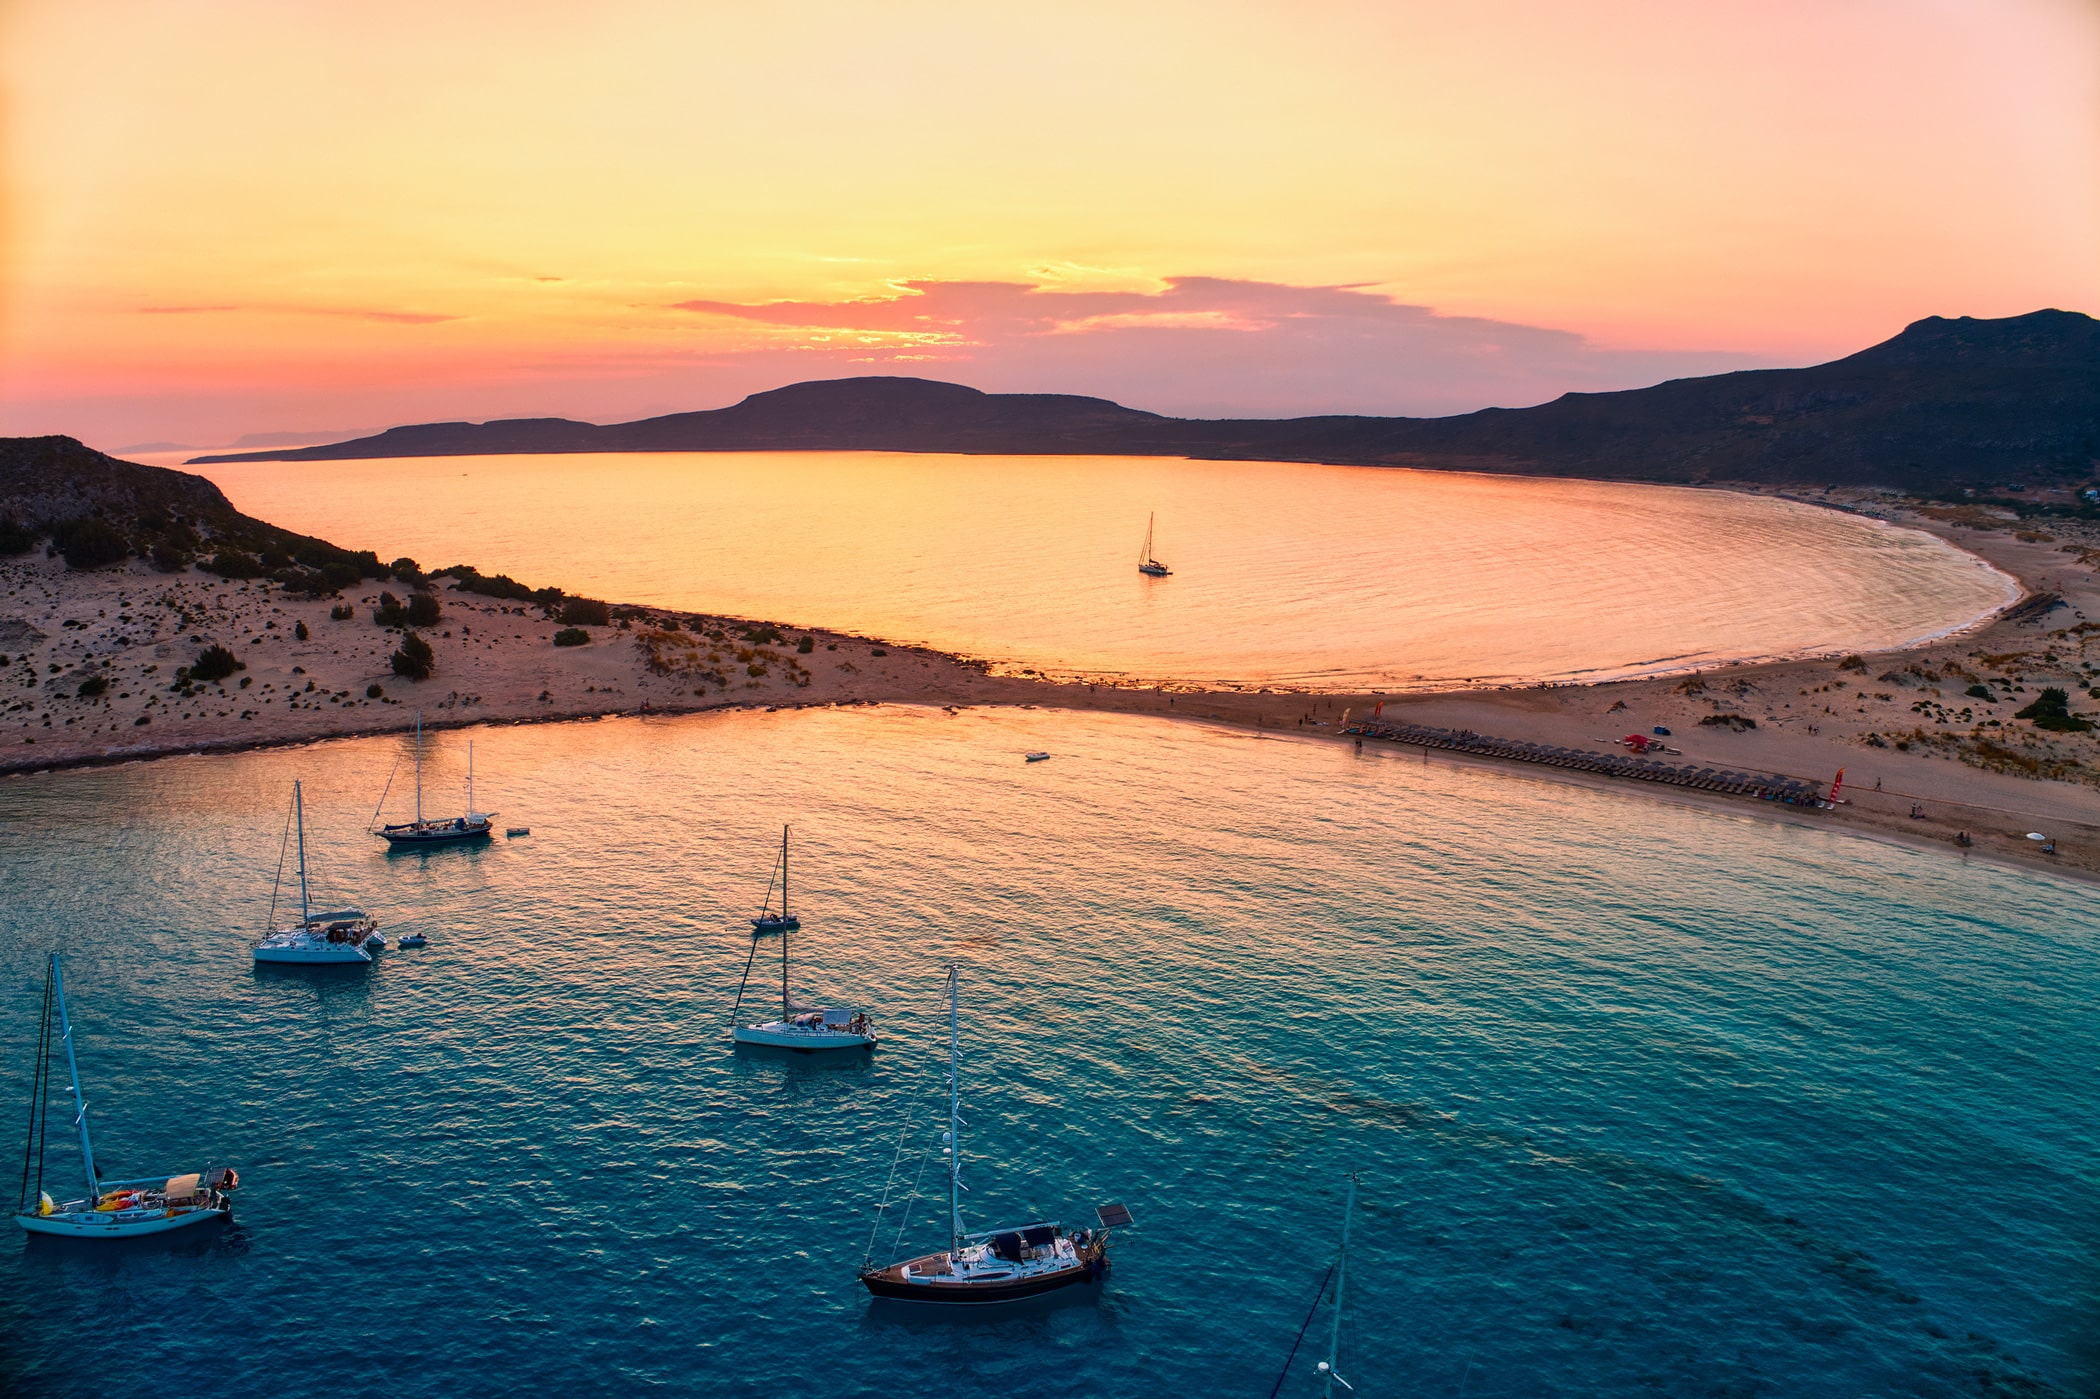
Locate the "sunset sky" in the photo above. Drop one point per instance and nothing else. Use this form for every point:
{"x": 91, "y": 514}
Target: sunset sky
{"x": 237, "y": 216}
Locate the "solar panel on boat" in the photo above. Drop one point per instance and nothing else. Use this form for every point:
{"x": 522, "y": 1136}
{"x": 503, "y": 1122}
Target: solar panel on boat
{"x": 1114, "y": 1216}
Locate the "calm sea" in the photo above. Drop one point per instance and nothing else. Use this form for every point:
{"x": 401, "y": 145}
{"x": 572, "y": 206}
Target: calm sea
{"x": 1644, "y": 1099}
{"x": 1284, "y": 573}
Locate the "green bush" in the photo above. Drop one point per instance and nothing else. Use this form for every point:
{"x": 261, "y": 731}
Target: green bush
{"x": 374, "y": 691}
{"x": 2052, "y": 710}
{"x": 877, "y": 651}
{"x": 572, "y": 636}
{"x": 405, "y": 570}
{"x": 299, "y": 630}
{"x": 390, "y": 612}
{"x": 1982, "y": 692}
{"x": 14, "y": 538}
{"x": 232, "y": 563}
{"x": 423, "y": 610}
{"x": 806, "y": 645}
{"x": 90, "y": 543}
{"x": 215, "y": 663}
{"x": 169, "y": 559}
{"x": 341, "y": 613}
{"x": 415, "y": 659}
{"x": 585, "y": 612}
{"x": 93, "y": 686}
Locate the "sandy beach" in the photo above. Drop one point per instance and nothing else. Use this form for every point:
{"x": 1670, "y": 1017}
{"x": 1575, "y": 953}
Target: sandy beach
{"x": 92, "y": 660}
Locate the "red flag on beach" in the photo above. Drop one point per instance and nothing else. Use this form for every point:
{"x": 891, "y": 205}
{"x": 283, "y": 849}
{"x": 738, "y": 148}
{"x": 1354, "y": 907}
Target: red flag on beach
{"x": 1837, "y": 784}
{"x": 1378, "y": 709}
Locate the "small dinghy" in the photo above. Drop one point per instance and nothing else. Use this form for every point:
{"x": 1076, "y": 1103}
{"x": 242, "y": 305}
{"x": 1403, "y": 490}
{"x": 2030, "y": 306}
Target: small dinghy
{"x": 412, "y": 940}
{"x": 111, "y": 1209}
{"x": 997, "y": 1265}
{"x": 1037, "y": 757}
{"x": 513, "y": 832}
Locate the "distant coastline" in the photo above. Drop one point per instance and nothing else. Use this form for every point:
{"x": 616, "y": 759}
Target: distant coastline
{"x": 1948, "y": 402}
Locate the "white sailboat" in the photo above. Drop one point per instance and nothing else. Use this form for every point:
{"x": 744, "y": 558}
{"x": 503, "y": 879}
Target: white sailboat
{"x": 997, "y": 1265}
{"x": 338, "y": 936}
{"x": 799, "y": 1027}
{"x": 110, "y": 1209}
{"x": 474, "y": 825}
{"x": 1147, "y": 565}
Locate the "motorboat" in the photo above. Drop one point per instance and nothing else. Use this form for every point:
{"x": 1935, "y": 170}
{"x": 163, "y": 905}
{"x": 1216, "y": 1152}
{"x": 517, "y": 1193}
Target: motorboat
{"x": 107, "y": 1209}
{"x": 996, "y": 1265}
{"x": 337, "y": 936}
{"x": 799, "y": 1026}
{"x": 448, "y": 830}
{"x": 768, "y": 921}
{"x": 1147, "y": 565}
{"x": 1037, "y": 757}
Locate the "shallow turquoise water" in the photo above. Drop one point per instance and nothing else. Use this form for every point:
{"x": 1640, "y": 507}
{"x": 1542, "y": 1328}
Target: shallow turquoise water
{"x": 1644, "y": 1099}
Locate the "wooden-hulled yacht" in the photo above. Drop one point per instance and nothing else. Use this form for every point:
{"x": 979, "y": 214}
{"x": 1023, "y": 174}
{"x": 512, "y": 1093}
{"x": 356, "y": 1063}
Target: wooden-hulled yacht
{"x": 996, "y": 1265}
{"x": 443, "y": 830}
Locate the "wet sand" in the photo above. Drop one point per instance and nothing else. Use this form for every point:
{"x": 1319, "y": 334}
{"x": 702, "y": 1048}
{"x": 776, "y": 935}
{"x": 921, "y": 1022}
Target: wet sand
{"x": 1901, "y": 724}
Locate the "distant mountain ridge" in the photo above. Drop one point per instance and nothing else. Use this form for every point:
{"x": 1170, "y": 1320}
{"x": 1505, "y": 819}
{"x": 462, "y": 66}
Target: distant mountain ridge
{"x": 1945, "y": 402}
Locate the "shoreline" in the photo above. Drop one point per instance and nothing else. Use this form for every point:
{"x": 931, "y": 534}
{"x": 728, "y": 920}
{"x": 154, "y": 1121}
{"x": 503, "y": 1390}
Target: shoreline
{"x": 1904, "y": 732}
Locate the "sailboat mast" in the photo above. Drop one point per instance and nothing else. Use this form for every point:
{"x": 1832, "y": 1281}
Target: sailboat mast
{"x": 299, "y": 806}
{"x": 419, "y": 767}
{"x": 1341, "y": 1275}
{"x": 783, "y": 872}
{"x": 87, "y": 1148}
{"x": 1148, "y": 538}
{"x": 955, "y": 1224}
{"x": 470, "y": 777}
{"x": 783, "y": 967}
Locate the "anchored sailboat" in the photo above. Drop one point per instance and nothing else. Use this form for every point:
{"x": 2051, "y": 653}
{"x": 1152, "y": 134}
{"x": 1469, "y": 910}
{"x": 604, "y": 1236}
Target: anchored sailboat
{"x": 998, "y": 1265}
{"x": 339, "y": 936}
{"x": 1147, "y": 565}
{"x": 768, "y": 921}
{"x": 799, "y": 1027}
{"x": 474, "y": 825}
{"x": 111, "y": 1209}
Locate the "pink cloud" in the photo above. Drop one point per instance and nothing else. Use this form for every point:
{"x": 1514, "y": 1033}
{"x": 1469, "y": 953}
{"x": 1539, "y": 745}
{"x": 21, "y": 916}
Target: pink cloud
{"x": 1208, "y": 346}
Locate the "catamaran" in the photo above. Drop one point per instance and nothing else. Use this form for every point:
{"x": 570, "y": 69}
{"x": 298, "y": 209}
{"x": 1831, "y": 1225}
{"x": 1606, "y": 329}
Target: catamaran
{"x": 339, "y": 936}
{"x": 1147, "y": 565}
{"x": 768, "y": 921}
{"x": 997, "y": 1265}
{"x": 799, "y": 1027}
{"x": 110, "y": 1209}
{"x": 474, "y": 825}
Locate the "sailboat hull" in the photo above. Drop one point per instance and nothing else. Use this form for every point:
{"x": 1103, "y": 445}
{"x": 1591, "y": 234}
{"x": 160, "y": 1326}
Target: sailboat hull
{"x": 794, "y": 1037}
{"x": 904, "y": 1282}
{"x": 124, "y": 1224}
{"x": 438, "y": 832}
{"x": 312, "y": 952}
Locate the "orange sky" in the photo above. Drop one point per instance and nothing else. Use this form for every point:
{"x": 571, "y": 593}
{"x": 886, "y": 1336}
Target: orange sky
{"x": 226, "y": 216}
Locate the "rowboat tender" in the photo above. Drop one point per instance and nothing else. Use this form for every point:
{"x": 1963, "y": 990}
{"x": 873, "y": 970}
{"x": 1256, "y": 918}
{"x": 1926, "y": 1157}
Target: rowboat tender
{"x": 110, "y": 1209}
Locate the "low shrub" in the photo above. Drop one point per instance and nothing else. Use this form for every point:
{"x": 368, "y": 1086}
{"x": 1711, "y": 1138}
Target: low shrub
{"x": 1853, "y": 663}
{"x": 299, "y": 630}
{"x": 415, "y": 659}
{"x": 92, "y": 686}
{"x": 215, "y": 663}
{"x": 374, "y": 691}
{"x": 1738, "y": 722}
{"x": 423, "y": 610}
{"x": 341, "y": 613}
{"x": 572, "y": 636}
{"x": 169, "y": 559}
{"x": 585, "y": 612}
{"x": 806, "y": 645}
{"x": 232, "y": 563}
{"x": 390, "y": 612}
{"x": 2052, "y": 710}
{"x": 1982, "y": 692}
{"x": 877, "y": 651}
{"x": 405, "y": 570}
{"x": 90, "y": 543}
{"x": 14, "y": 538}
